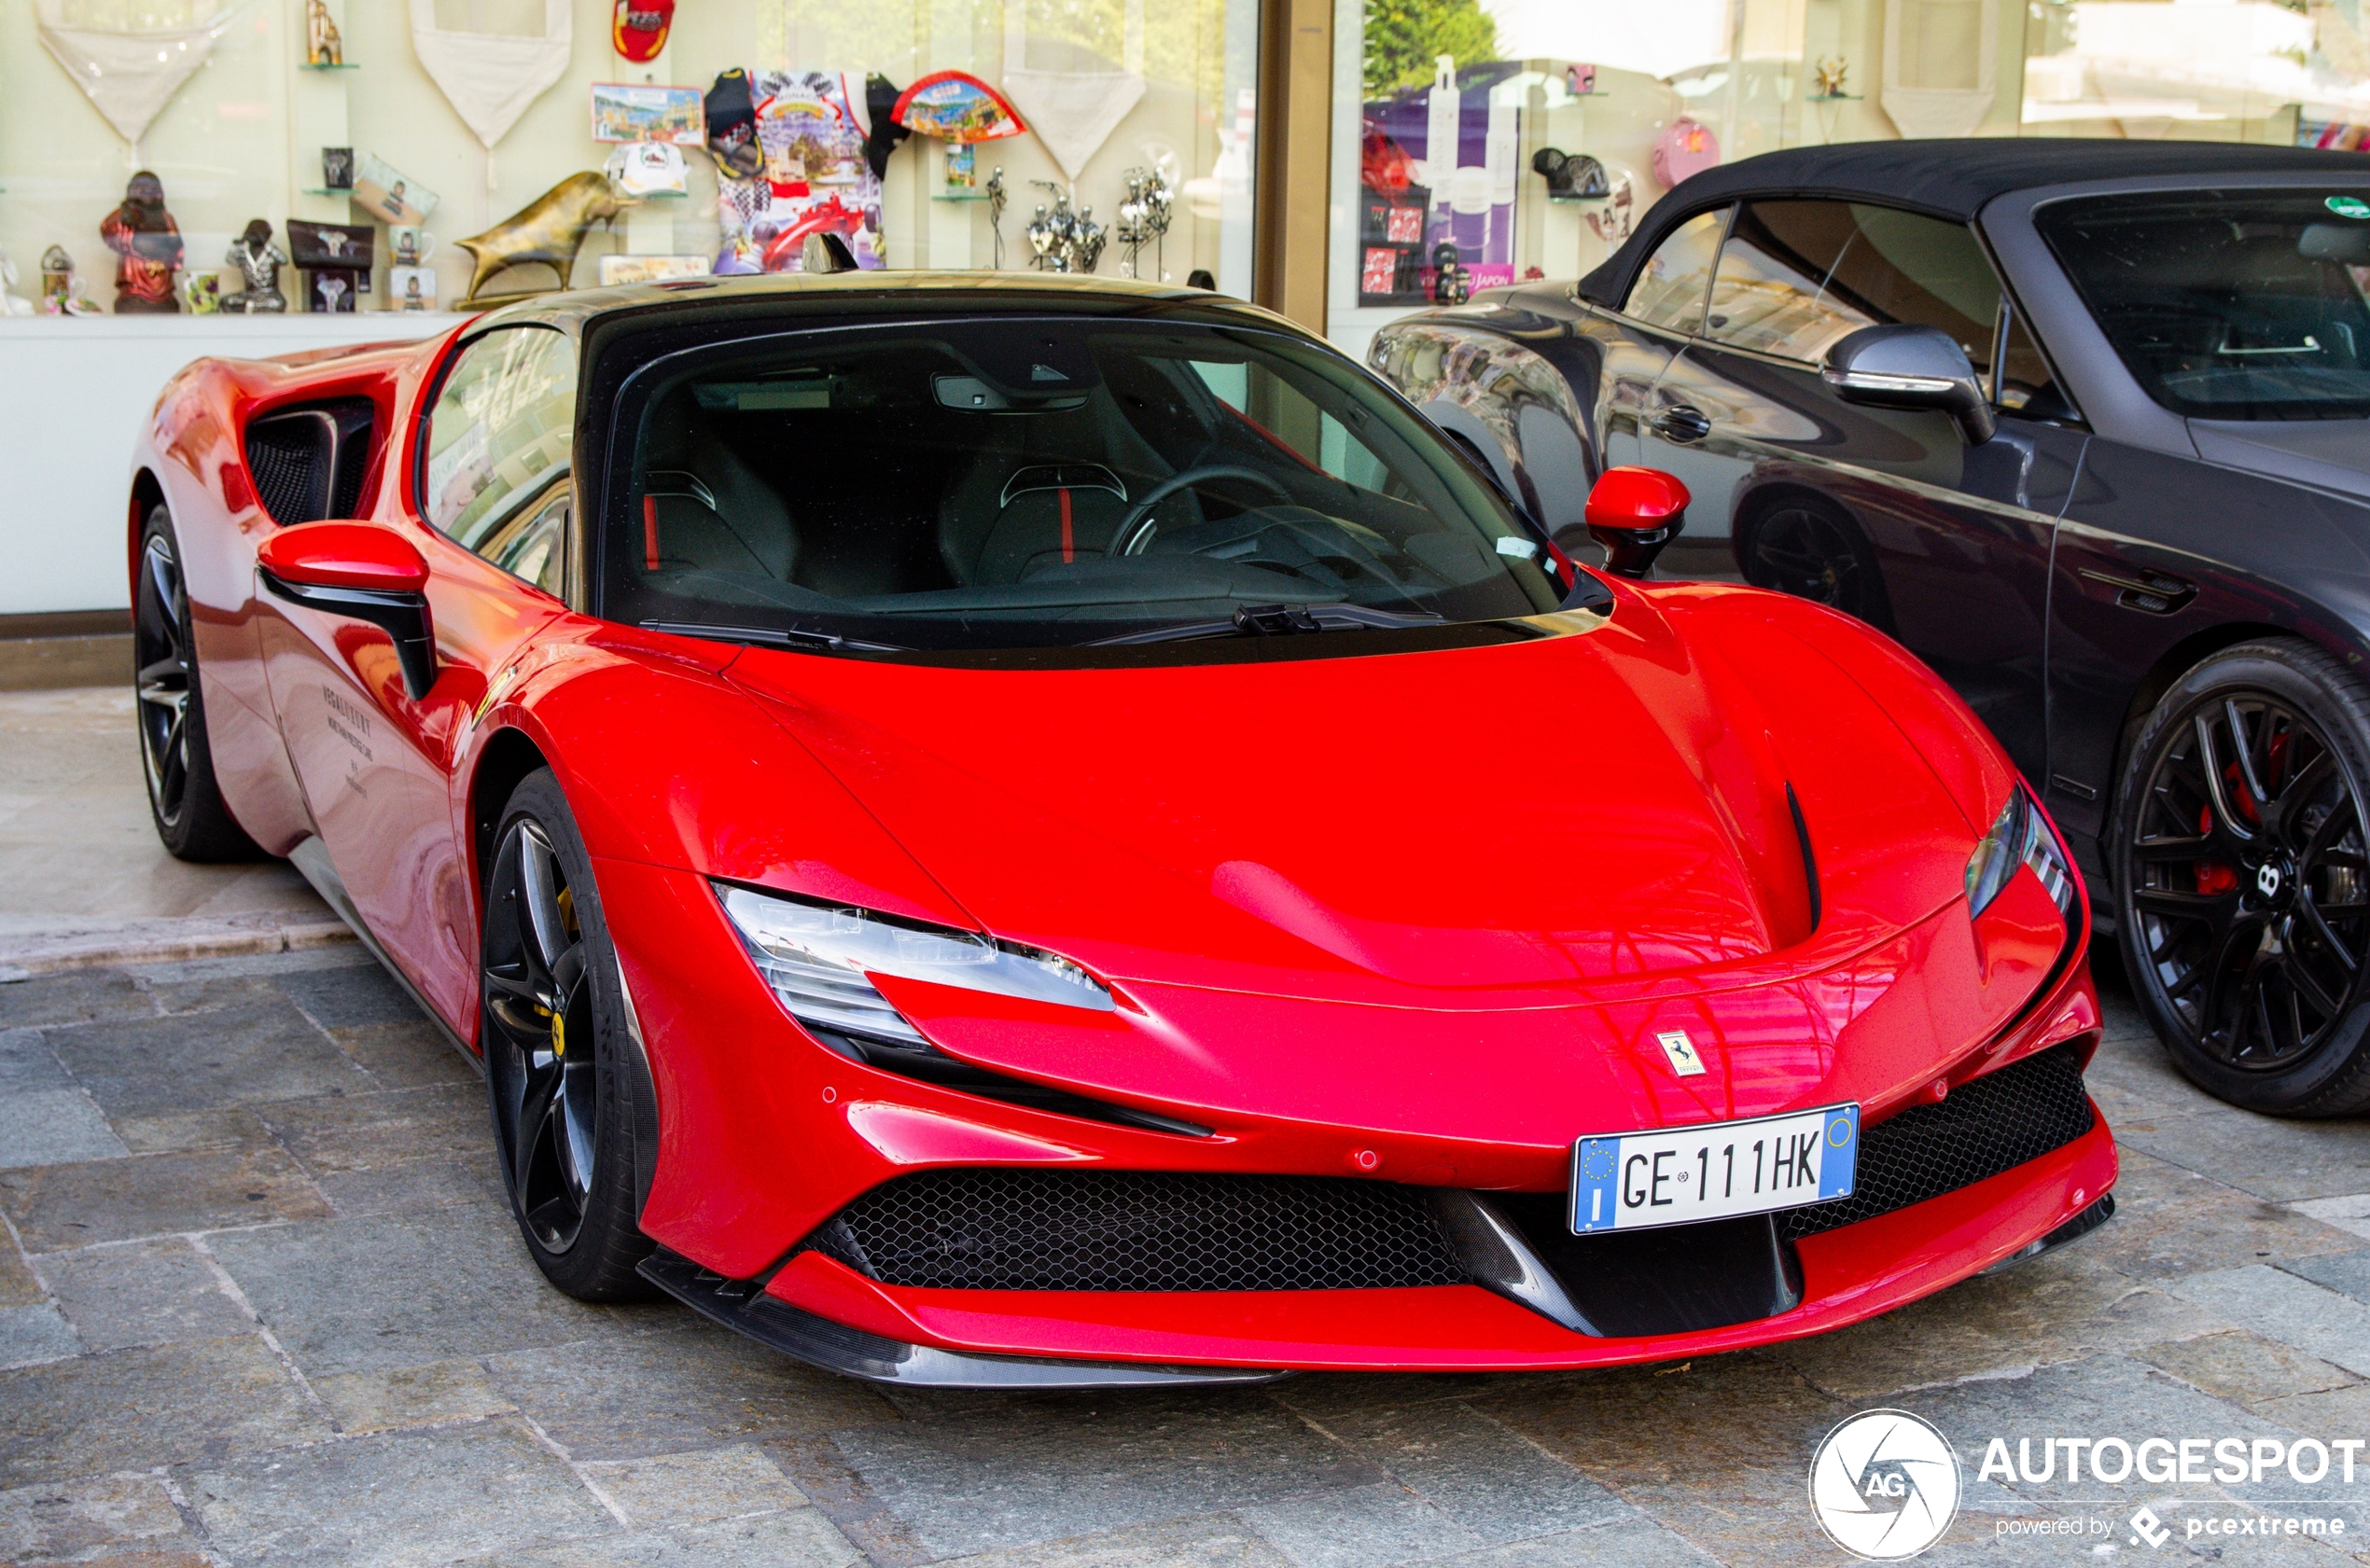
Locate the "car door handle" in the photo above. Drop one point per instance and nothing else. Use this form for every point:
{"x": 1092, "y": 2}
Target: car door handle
{"x": 1683, "y": 421}
{"x": 2155, "y": 593}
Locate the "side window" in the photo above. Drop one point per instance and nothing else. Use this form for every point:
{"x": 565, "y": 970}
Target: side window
{"x": 1770, "y": 292}
{"x": 1797, "y": 275}
{"x": 1670, "y": 291}
{"x": 533, "y": 545}
{"x": 2026, "y": 385}
{"x": 1346, "y": 457}
{"x": 502, "y": 427}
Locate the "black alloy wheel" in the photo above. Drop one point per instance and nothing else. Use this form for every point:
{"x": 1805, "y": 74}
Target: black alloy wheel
{"x": 1813, "y": 551}
{"x": 562, "y": 1080}
{"x": 2243, "y": 877}
{"x": 183, "y": 801}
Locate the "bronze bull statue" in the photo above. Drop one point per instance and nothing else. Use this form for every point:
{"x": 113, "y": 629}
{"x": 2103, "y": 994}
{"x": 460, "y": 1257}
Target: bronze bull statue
{"x": 548, "y": 231}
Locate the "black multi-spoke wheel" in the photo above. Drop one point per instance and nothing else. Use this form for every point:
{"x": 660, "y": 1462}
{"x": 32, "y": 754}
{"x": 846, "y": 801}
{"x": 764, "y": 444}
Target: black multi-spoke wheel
{"x": 2243, "y": 878}
{"x": 188, "y": 808}
{"x": 563, "y": 1080}
{"x": 1810, "y": 550}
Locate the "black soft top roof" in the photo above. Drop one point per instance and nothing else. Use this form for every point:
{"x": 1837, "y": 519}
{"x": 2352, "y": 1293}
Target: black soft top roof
{"x": 1951, "y": 179}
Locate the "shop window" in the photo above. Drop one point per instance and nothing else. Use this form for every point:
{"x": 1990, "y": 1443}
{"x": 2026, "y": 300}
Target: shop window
{"x": 501, "y": 429}
{"x": 1795, "y": 276}
{"x": 1670, "y": 291}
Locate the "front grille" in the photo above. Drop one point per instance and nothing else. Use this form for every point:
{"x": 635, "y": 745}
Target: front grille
{"x": 1988, "y": 1125}
{"x": 1013, "y": 1229}
{"x": 1036, "y": 1229}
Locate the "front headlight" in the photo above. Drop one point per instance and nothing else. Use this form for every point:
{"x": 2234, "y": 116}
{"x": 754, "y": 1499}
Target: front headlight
{"x": 2021, "y": 835}
{"x": 817, "y": 957}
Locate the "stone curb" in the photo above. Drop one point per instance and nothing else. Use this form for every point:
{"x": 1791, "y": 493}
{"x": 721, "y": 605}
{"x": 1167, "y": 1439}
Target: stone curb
{"x": 27, "y": 952}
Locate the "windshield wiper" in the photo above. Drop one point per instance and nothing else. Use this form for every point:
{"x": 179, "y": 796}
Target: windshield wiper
{"x": 773, "y": 637}
{"x": 1281, "y": 620}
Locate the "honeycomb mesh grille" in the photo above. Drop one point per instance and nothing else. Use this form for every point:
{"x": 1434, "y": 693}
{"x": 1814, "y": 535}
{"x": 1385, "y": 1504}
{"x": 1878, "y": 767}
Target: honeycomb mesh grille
{"x": 1005, "y": 1229}
{"x": 1992, "y": 1124}
{"x": 285, "y": 458}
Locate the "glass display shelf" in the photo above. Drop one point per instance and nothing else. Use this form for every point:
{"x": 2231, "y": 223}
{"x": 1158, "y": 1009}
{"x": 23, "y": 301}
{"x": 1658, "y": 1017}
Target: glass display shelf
{"x": 307, "y": 65}
{"x": 956, "y": 193}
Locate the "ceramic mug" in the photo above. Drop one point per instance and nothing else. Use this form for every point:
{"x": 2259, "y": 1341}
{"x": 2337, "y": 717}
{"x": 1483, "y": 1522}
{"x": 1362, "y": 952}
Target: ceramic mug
{"x": 412, "y": 244}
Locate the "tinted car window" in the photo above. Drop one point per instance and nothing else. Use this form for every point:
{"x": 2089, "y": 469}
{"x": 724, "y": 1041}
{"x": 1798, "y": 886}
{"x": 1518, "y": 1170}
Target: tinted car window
{"x": 501, "y": 429}
{"x": 969, "y": 484}
{"x": 2227, "y": 304}
{"x": 1670, "y": 291}
{"x": 1795, "y": 276}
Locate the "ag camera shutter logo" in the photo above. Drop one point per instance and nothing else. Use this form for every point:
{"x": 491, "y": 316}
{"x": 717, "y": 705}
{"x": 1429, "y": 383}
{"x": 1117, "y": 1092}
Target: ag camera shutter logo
{"x": 1885, "y": 1485}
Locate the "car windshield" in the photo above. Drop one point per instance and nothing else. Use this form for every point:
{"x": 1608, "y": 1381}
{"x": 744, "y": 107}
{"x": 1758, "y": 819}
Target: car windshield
{"x": 962, "y": 484}
{"x": 2228, "y": 304}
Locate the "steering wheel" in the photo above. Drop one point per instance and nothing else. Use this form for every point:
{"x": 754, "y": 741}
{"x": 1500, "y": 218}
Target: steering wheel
{"x": 1130, "y": 535}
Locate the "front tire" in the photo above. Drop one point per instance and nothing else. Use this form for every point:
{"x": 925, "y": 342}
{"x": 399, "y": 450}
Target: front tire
{"x": 2240, "y": 855}
{"x": 185, "y": 802}
{"x": 560, "y": 1063}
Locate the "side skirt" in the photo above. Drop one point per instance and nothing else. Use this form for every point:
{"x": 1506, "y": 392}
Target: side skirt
{"x": 311, "y": 859}
{"x": 743, "y": 1306}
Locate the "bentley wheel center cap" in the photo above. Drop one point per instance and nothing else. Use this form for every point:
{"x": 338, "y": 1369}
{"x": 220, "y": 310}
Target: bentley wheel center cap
{"x": 2268, "y": 881}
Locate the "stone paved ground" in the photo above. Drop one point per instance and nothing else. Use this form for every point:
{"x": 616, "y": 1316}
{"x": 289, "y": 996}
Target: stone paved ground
{"x": 259, "y": 1303}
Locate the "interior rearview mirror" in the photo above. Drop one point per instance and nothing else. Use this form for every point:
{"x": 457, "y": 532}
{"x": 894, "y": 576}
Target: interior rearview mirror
{"x": 1902, "y": 366}
{"x": 363, "y": 571}
{"x": 1634, "y": 513}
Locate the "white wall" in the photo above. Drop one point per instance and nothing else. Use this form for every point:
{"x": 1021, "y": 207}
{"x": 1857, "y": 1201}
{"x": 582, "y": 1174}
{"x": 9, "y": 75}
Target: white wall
{"x": 74, "y": 392}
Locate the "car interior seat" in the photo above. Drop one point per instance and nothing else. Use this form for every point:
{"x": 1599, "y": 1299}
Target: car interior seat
{"x": 704, "y": 509}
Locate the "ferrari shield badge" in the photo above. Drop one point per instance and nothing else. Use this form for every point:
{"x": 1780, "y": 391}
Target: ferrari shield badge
{"x": 1681, "y": 1051}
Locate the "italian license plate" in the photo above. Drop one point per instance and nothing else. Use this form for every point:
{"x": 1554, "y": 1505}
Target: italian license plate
{"x": 1633, "y": 1181}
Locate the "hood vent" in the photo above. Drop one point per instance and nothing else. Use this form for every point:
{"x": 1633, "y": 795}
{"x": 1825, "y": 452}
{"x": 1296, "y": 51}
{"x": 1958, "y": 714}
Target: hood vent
{"x": 1810, "y": 860}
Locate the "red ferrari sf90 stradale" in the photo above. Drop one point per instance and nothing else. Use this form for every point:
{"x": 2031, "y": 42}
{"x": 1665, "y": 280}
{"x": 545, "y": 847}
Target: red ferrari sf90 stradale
{"x": 1029, "y": 832}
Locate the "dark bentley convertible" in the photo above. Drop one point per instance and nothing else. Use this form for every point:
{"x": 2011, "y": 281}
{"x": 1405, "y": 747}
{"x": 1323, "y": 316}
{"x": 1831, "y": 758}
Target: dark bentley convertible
{"x": 2086, "y": 425}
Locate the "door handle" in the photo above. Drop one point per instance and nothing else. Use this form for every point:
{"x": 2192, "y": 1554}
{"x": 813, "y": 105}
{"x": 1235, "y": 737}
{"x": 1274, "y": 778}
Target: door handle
{"x": 2155, "y": 593}
{"x": 1683, "y": 423}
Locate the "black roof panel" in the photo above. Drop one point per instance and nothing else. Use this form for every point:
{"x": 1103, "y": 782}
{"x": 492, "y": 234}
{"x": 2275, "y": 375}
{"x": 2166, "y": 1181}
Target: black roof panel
{"x": 1949, "y": 178}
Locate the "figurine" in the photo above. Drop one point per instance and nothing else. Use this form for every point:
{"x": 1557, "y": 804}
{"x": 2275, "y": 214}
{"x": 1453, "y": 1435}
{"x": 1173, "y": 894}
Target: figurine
{"x": 997, "y": 196}
{"x": 1452, "y": 280}
{"x": 1064, "y": 241}
{"x": 336, "y": 168}
{"x": 1143, "y": 219}
{"x": 548, "y": 231}
{"x": 147, "y": 243}
{"x": 11, "y": 304}
{"x": 202, "y": 293}
{"x": 322, "y": 45}
{"x": 1831, "y": 77}
{"x": 259, "y": 261}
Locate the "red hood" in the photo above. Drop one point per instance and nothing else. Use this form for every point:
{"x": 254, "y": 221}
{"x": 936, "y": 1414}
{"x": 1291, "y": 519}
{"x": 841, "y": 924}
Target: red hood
{"x": 1589, "y": 812}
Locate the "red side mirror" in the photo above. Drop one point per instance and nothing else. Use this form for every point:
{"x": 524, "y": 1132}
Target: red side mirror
{"x": 361, "y": 571}
{"x": 1634, "y": 512}
{"x": 366, "y": 555}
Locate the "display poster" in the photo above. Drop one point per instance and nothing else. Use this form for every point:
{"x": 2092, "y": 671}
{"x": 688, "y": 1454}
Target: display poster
{"x": 814, "y": 179}
{"x": 628, "y": 111}
{"x": 1437, "y": 169}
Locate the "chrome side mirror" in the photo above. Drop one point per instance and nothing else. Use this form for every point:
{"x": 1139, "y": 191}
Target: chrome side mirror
{"x": 1902, "y": 366}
